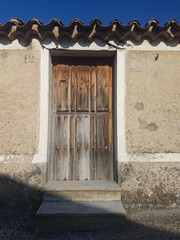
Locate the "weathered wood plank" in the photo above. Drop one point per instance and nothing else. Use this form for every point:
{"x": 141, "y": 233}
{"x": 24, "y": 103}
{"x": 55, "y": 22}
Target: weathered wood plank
{"x": 82, "y": 88}
{"x": 82, "y": 126}
{"x": 62, "y": 146}
{"x": 52, "y": 160}
{"x": 72, "y": 149}
{"x": 63, "y": 73}
{"x": 110, "y": 90}
{"x": 102, "y": 88}
{"x": 93, "y": 148}
{"x": 93, "y": 89}
{"x": 58, "y": 88}
{"x": 110, "y": 124}
{"x": 54, "y": 88}
{"x": 103, "y": 161}
{"x": 73, "y": 91}
{"x": 110, "y": 147}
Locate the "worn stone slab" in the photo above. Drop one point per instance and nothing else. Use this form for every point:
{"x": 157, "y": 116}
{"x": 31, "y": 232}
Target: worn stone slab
{"x": 82, "y": 191}
{"x": 78, "y": 216}
{"x": 82, "y": 196}
{"x": 81, "y": 208}
{"x": 81, "y": 185}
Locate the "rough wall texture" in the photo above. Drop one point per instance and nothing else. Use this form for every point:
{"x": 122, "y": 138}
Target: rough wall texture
{"x": 19, "y": 101}
{"x": 21, "y": 183}
{"x": 152, "y": 102}
{"x": 150, "y": 184}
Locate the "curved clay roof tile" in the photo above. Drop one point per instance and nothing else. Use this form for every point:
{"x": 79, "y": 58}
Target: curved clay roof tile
{"x": 34, "y": 28}
{"x": 75, "y": 21}
{"x": 171, "y": 21}
{"x": 36, "y": 21}
{"x": 134, "y": 21}
{"x": 57, "y": 21}
{"x": 16, "y": 21}
{"x": 151, "y": 22}
{"x": 115, "y": 21}
{"x": 95, "y": 20}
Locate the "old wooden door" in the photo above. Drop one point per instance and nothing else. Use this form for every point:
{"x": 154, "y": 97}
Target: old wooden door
{"x": 81, "y": 132}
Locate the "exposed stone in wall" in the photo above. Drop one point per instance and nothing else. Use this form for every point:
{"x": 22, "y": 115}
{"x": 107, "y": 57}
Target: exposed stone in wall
{"x": 19, "y": 101}
{"x": 152, "y": 102}
{"x": 150, "y": 184}
{"x": 21, "y": 183}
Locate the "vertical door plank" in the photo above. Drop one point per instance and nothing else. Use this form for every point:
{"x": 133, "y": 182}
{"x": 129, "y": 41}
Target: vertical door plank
{"x": 58, "y": 88}
{"x": 82, "y": 147}
{"x": 93, "y": 89}
{"x": 51, "y": 163}
{"x": 103, "y": 161}
{"x": 51, "y": 166}
{"x": 62, "y": 88}
{"x": 62, "y": 147}
{"x": 57, "y": 146}
{"x": 110, "y": 90}
{"x": 54, "y": 88}
{"x": 110, "y": 124}
{"x": 102, "y": 88}
{"x": 73, "y": 92}
{"x": 110, "y": 147}
{"x": 93, "y": 148}
{"x": 82, "y": 88}
{"x": 72, "y": 148}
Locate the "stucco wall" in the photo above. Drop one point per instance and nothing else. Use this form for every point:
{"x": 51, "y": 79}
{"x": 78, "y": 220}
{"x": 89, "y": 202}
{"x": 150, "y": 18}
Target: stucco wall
{"x": 148, "y": 184}
{"x": 152, "y": 110}
{"x": 19, "y": 101}
{"x": 21, "y": 183}
{"x": 152, "y": 124}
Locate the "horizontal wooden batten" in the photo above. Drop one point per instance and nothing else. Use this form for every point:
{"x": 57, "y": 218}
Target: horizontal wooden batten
{"x": 80, "y": 113}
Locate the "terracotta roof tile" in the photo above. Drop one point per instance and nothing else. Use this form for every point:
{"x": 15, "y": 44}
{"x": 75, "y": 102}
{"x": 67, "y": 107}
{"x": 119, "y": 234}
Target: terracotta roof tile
{"x": 34, "y": 28}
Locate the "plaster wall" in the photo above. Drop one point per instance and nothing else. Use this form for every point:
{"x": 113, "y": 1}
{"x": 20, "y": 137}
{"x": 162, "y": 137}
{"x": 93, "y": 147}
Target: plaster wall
{"x": 21, "y": 181}
{"x": 152, "y": 112}
{"x": 150, "y": 184}
{"x": 147, "y": 119}
{"x": 149, "y": 170}
{"x": 21, "y": 184}
{"x": 19, "y": 101}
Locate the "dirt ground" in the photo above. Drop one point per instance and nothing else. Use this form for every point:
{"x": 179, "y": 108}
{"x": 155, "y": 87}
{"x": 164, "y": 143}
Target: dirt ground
{"x": 141, "y": 224}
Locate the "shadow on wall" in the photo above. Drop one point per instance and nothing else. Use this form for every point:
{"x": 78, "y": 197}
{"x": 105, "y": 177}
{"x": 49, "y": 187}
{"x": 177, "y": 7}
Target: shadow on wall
{"x": 18, "y": 197}
{"x": 19, "y": 203}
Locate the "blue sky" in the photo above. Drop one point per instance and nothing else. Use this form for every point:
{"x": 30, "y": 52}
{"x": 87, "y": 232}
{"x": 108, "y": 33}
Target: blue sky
{"x": 105, "y": 10}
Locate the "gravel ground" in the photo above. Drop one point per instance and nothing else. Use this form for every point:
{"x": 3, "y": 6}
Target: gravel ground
{"x": 142, "y": 224}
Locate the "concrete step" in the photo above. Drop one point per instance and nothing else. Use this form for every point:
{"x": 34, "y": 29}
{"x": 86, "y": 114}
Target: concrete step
{"x": 82, "y": 191}
{"x": 79, "y": 216}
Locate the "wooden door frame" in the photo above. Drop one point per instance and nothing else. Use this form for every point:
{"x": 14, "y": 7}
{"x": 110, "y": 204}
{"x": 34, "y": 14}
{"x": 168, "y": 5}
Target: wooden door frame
{"x": 109, "y": 57}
